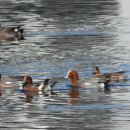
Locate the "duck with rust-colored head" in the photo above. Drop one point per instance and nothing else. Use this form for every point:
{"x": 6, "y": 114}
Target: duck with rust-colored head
{"x": 72, "y": 75}
{"x": 28, "y": 84}
{"x": 114, "y": 76}
{"x": 10, "y": 33}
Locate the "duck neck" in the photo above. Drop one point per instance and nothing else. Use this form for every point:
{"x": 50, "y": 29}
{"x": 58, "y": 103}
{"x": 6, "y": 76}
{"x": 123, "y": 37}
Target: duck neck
{"x": 74, "y": 81}
{"x": 97, "y": 75}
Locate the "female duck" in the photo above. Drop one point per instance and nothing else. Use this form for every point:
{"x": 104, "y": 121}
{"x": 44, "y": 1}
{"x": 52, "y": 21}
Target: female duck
{"x": 115, "y": 76}
{"x": 87, "y": 82}
{"x": 8, "y": 33}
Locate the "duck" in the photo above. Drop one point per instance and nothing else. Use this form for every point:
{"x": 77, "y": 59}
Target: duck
{"x": 27, "y": 84}
{"x": 10, "y": 33}
{"x": 114, "y": 76}
{"x": 72, "y": 75}
{"x": 10, "y": 81}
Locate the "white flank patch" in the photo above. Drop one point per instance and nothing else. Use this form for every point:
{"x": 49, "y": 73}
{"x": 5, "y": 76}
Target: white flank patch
{"x": 87, "y": 83}
{"x": 8, "y": 82}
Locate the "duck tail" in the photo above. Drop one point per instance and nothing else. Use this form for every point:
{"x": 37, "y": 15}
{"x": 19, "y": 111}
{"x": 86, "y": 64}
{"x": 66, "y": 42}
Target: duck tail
{"x": 53, "y": 84}
{"x": 46, "y": 85}
{"x": 120, "y": 72}
{"x": 123, "y": 71}
{"x": 46, "y": 81}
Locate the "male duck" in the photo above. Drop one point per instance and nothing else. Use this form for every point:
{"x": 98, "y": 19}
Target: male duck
{"x": 87, "y": 82}
{"x": 115, "y": 76}
{"x": 9, "y": 33}
{"x": 28, "y": 84}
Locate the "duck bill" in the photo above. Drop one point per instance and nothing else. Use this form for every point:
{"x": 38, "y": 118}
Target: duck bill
{"x": 66, "y": 77}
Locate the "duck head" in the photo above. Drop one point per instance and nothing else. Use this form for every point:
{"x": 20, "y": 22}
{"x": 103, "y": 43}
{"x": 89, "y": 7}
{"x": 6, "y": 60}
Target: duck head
{"x": 27, "y": 79}
{"x": 96, "y": 71}
{"x": 27, "y": 82}
{"x": 73, "y": 76}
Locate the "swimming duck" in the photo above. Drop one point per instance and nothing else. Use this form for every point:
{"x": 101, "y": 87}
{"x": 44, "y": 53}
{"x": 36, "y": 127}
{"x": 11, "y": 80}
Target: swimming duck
{"x": 86, "y": 82}
{"x": 10, "y": 81}
{"x": 115, "y": 76}
{"x": 10, "y": 33}
{"x": 28, "y": 84}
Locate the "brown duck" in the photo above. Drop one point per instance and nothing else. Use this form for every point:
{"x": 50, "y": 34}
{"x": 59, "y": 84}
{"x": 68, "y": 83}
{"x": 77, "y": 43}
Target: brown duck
{"x": 35, "y": 87}
{"x": 10, "y": 33}
{"x": 114, "y": 76}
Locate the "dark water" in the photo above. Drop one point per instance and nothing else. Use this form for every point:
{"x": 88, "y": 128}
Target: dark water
{"x": 61, "y": 35}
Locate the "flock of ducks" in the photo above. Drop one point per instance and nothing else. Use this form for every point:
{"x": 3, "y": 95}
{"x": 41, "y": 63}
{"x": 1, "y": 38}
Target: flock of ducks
{"x": 26, "y": 83}
{"x": 98, "y": 81}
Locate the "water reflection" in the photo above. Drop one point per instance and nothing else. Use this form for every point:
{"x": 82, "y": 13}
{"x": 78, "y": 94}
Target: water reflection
{"x": 64, "y": 20}
{"x": 74, "y": 95}
{"x": 29, "y": 96}
{"x": 59, "y": 15}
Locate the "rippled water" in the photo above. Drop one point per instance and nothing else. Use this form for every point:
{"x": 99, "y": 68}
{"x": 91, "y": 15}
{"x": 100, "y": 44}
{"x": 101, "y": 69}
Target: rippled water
{"x": 62, "y": 35}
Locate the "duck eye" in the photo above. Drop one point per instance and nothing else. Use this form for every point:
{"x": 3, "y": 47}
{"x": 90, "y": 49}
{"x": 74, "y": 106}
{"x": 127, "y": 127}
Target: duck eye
{"x": 70, "y": 74}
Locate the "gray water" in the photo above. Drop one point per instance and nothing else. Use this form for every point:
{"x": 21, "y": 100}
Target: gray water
{"x": 61, "y": 35}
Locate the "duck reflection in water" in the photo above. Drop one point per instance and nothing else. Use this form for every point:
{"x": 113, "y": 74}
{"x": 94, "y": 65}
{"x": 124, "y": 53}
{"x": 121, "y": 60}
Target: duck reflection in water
{"x": 29, "y": 96}
{"x": 74, "y": 95}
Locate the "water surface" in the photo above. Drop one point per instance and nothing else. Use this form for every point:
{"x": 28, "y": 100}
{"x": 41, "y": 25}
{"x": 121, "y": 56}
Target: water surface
{"x": 59, "y": 36}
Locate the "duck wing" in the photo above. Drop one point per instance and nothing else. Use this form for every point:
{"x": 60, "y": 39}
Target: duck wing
{"x": 107, "y": 75}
